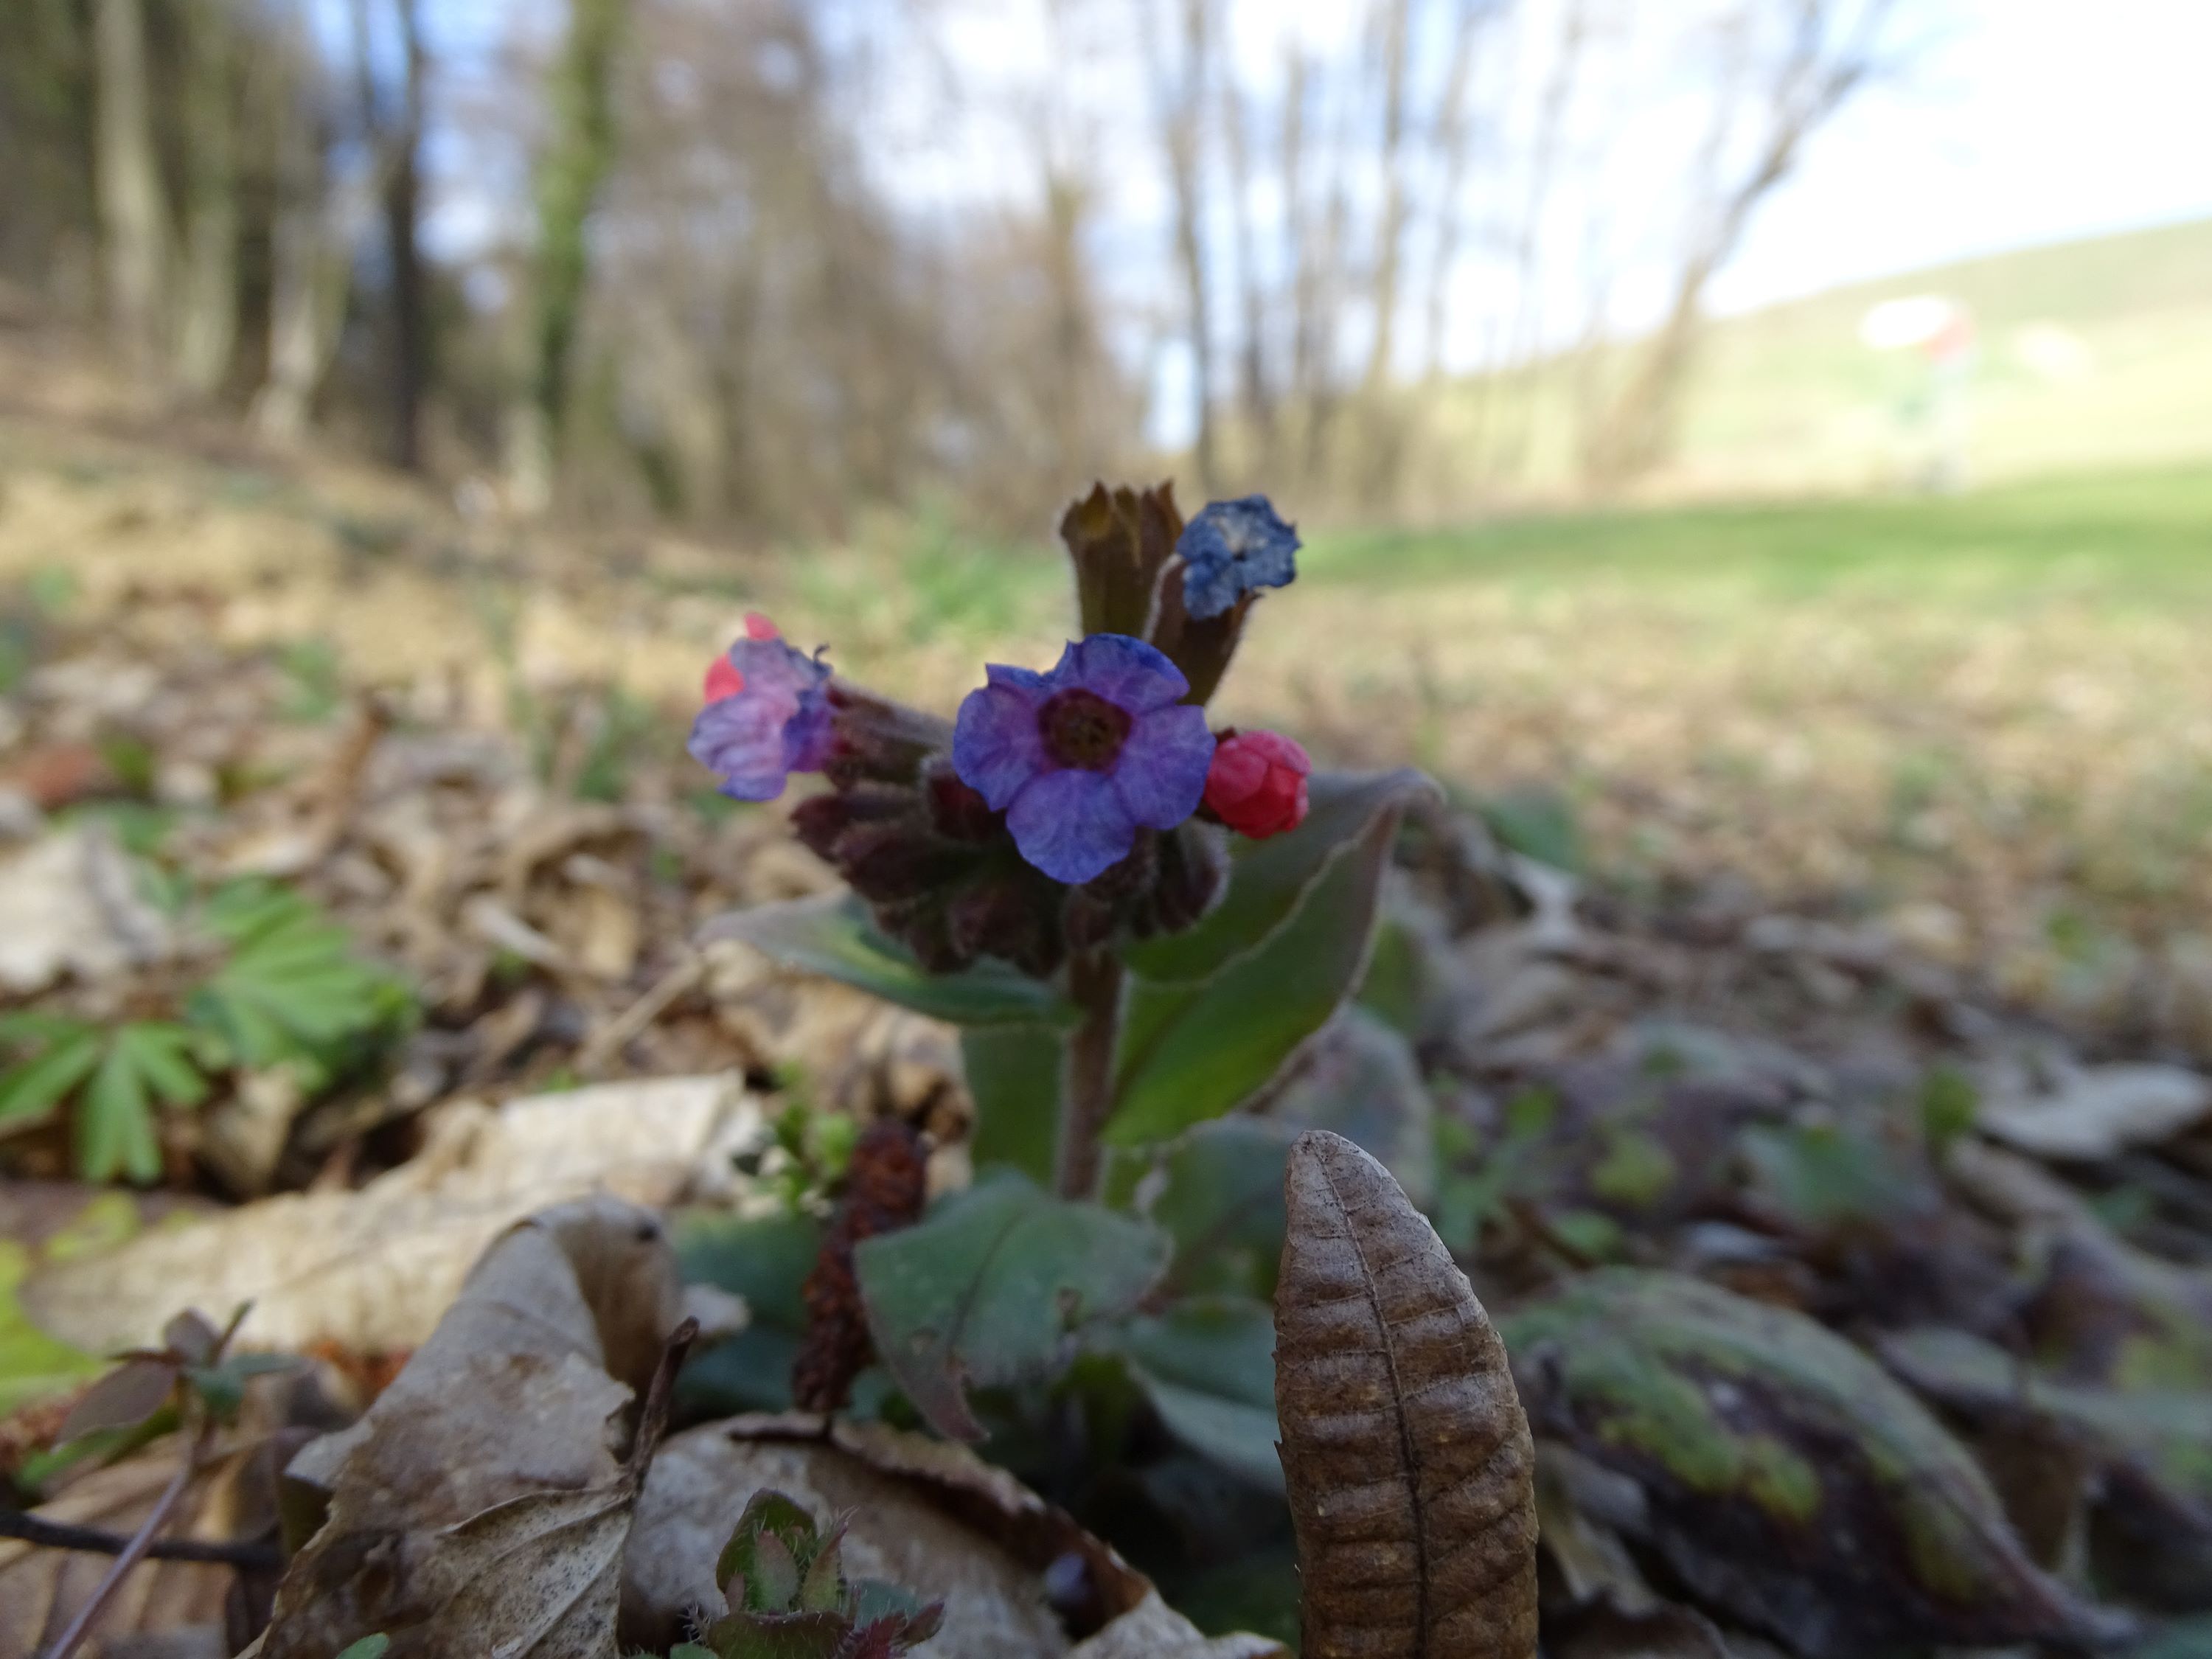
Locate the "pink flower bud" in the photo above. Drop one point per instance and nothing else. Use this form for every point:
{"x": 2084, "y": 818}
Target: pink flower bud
{"x": 1257, "y": 783}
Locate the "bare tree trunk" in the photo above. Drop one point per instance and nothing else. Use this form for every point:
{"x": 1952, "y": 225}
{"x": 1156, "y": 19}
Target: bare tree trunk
{"x": 1079, "y": 445}
{"x": 1327, "y": 291}
{"x": 311, "y": 232}
{"x": 569, "y": 174}
{"x": 401, "y": 192}
{"x": 133, "y": 220}
{"x": 1453, "y": 144}
{"x": 1811, "y": 81}
{"x": 207, "y": 326}
{"x": 1390, "y": 230}
{"x": 1182, "y": 105}
{"x": 1297, "y": 249}
{"x": 1255, "y": 396}
{"x": 1524, "y": 339}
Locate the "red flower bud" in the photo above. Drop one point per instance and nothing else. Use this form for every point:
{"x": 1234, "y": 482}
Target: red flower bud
{"x": 1257, "y": 783}
{"x": 723, "y": 679}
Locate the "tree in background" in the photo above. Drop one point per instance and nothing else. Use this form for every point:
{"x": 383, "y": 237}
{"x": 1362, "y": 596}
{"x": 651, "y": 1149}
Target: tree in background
{"x": 579, "y": 153}
{"x": 1823, "y": 52}
{"x": 134, "y": 223}
{"x": 392, "y": 125}
{"x": 207, "y": 297}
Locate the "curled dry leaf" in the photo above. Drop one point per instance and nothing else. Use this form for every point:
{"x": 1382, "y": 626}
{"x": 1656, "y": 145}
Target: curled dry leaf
{"x": 2092, "y": 1111}
{"x": 1153, "y": 1630}
{"x": 70, "y": 904}
{"x": 372, "y": 1271}
{"x": 485, "y": 1502}
{"x": 702, "y": 1479}
{"x": 928, "y": 1515}
{"x": 1406, "y": 1457}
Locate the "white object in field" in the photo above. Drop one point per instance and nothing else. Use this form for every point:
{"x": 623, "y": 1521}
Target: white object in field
{"x": 1918, "y": 319}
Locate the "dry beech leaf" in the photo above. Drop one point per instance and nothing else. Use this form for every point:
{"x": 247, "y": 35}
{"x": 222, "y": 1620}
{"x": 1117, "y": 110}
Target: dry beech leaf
{"x": 994, "y": 1608}
{"x": 372, "y": 1271}
{"x": 1407, "y": 1459}
{"x": 929, "y": 1515}
{"x": 485, "y": 1502}
{"x": 1153, "y": 1630}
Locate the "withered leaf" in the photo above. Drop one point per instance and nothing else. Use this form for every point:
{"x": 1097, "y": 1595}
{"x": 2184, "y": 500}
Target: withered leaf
{"x": 1408, "y": 1461}
{"x": 483, "y": 1496}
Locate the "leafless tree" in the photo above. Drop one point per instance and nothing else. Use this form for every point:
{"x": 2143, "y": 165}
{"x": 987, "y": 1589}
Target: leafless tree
{"x": 1827, "y": 50}
{"x": 1179, "y": 95}
{"x": 133, "y": 221}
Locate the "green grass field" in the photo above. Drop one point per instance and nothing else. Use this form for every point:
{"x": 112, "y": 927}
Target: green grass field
{"x": 2129, "y": 538}
{"x": 1786, "y": 400}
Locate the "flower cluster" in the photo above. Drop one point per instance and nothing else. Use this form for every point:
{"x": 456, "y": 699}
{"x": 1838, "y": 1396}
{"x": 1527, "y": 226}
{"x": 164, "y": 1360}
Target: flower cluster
{"x": 767, "y": 714}
{"x": 1082, "y": 758}
{"x": 1062, "y": 805}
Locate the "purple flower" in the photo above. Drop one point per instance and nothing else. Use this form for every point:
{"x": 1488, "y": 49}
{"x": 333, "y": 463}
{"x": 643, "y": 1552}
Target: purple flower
{"x": 1231, "y": 548}
{"x": 777, "y": 722}
{"x": 1080, "y": 758}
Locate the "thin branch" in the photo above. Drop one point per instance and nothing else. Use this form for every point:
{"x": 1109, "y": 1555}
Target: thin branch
{"x": 94, "y": 1541}
{"x": 134, "y": 1551}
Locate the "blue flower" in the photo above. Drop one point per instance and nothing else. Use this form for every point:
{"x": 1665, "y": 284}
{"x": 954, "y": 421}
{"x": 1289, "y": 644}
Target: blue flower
{"x": 1081, "y": 758}
{"x": 774, "y": 722}
{"x": 1231, "y": 548}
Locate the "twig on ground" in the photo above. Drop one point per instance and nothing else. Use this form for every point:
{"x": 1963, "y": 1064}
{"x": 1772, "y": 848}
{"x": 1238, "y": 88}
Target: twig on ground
{"x": 135, "y": 1549}
{"x": 94, "y": 1541}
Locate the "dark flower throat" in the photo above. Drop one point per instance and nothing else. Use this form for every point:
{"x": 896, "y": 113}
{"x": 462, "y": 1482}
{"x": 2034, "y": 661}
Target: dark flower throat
{"x": 1081, "y": 728}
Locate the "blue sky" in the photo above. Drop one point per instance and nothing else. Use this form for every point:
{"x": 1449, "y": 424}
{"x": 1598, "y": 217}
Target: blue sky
{"x": 2036, "y": 121}
{"x": 2021, "y": 122}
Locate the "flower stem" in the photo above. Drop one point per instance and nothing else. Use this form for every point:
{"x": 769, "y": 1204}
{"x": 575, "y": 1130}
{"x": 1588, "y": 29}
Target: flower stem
{"x": 1094, "y": 983}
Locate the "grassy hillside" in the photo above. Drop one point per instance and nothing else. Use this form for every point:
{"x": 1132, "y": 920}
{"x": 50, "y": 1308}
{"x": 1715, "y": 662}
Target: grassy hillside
{"x": 2092, "y": 355}
{"x": 1789, "y": 395}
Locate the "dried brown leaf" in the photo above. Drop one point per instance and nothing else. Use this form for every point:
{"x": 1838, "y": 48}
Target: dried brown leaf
{"x": 1408, "y": 1461}
{"x": 484, "y": 1495}
{"x": 372, "y": 1271}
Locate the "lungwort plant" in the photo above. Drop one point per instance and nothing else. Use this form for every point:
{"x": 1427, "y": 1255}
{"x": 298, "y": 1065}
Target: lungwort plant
{"x": 273, "y": 982}
{"x": 1138, "y": 918}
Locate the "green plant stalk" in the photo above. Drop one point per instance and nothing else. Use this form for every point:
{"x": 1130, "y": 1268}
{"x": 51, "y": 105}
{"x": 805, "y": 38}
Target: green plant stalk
{"x": 1086, "y": 1094}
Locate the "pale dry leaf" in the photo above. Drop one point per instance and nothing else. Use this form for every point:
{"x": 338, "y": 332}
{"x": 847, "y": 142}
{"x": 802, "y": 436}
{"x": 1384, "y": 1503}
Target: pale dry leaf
{"x": 1153, "y": 1630}
{"x": 994, "y": 1606}
{"x": 1407, "y": 1459}
{"x": 373, "y": 1270}
{"x": 2094, "y": 1112}
{"x": 70, "y": 904}
{"x": 483, "y": 1504}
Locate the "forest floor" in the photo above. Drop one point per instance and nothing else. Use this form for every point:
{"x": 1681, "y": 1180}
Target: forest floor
{"x": 1824, "y": 917}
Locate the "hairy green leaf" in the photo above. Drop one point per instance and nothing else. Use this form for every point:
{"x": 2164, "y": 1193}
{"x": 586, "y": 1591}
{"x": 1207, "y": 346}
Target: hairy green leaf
{"x": 1268, "y": 880}
{"x": 1207, "y": 1364}
{"x": 1218, "y": 1189}
{"x": 1191, "y": 1049}
{"x": 1014, "y": 1078}
{"x": 834, "y": 937}
{"x": 985, "y": 1290}
{"x": 765, "y": 1260}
